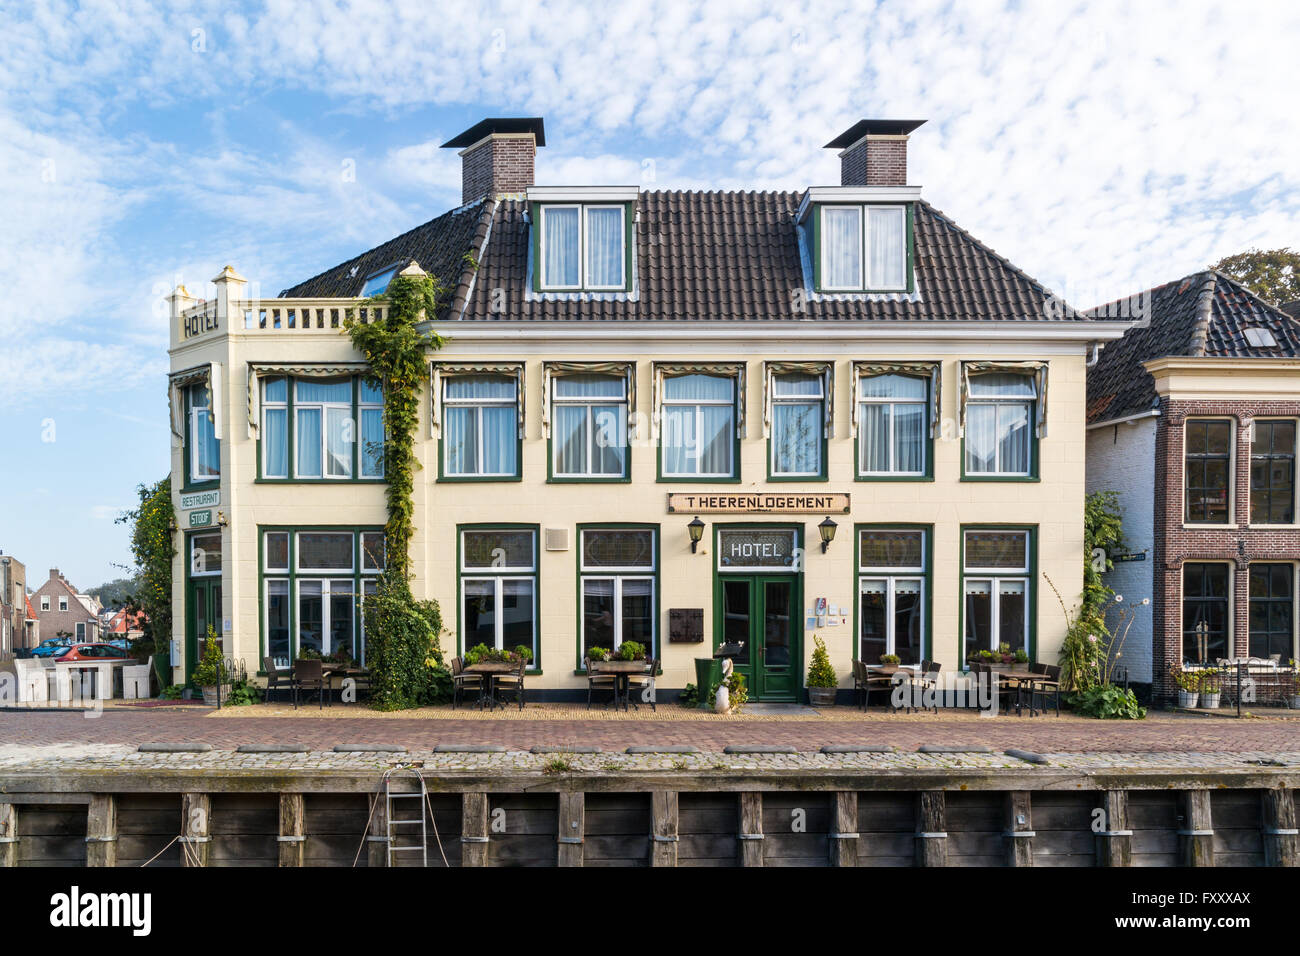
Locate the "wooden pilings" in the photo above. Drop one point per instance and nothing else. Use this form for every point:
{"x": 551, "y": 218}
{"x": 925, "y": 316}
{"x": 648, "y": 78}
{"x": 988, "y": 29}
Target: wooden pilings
{"x": 293, "y": 829}
{"x": 843, "y": 837}
{"x": 570, "y": 832}
{"x": 1196, "y": 829}
{"x": 8, "y": 835}
{"x": 1278, "y": 821}
{"x": 101, "y": 830}
{"x": 750, "y": 835}
{"x": 663, "y": 828}
{"x": 1019, "y": 830}
{"x": 931, "y": 829}
{"x": 474, "y": 829}
{"x": 196, "y": 828}
{"x": 1115, "y": 840}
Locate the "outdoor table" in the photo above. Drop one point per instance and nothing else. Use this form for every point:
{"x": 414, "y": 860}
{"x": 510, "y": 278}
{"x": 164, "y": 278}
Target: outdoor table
{"x": 490, "y": 669}
{"x": 329, "y": 671}
{"x": 890, "y": 670}
{"x": 1019, "y": 676}
{"x": 621, "y": 671}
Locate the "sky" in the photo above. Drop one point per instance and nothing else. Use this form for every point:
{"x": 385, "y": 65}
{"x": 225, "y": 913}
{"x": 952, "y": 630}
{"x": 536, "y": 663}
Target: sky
{"x": 1102, "y": 147}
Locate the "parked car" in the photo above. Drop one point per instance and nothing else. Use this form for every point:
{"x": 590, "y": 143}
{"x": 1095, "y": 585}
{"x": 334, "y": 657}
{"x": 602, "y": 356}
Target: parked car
{"x": 52, "y": 647}
{"x": 92, "y": 652}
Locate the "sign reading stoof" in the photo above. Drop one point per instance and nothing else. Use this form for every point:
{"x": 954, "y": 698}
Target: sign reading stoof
{"x": 778, "y": 503}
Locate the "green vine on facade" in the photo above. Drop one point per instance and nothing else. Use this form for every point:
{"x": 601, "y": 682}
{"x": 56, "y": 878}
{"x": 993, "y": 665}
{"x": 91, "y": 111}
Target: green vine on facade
{"x": 397, "y": 352}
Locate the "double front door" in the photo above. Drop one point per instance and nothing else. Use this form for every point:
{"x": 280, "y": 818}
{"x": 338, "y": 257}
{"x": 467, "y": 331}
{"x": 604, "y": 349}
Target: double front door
{"x": 762, "y": 613}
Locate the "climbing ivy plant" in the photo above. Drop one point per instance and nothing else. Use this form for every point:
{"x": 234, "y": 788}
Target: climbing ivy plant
{"x": 397, "y": 351}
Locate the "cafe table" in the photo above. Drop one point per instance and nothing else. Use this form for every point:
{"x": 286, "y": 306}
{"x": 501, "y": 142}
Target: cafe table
{"x": 890, "y": 670}
{"x": 329, "y": 671}
{"x": 622, "y": 672}
{"x": 490, "y": 670}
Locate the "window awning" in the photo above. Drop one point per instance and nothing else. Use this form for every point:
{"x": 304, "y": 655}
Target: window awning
{"x": 438, "y": 369}
{"x": 1037, "y": 369}
{"x": 552, "y": 369}
{"x": 177, "y": 382}
{"x": 827, "y": 372}
{"x": 664, "y": 370}
{"x": 931, "y": 370}
{"x": 258, "y": 370}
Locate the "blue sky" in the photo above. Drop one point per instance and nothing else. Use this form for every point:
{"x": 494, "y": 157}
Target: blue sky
{"x": 1102, "y": 147}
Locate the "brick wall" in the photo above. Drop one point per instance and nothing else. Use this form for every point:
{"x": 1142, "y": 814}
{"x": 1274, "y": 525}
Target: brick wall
{"x": 500, "y": 164}
{"x": 1237, "y": 544}
{"x": 875, "y": 162}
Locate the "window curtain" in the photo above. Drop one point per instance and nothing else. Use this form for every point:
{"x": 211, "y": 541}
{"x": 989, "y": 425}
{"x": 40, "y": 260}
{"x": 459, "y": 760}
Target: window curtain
{"x": 560, "y": 242}
{"x": 930, "y": 370}
{"x": 842, "y": 246}
{"x": 888, "y": 250}
{"x": 666, "y": 370}
{"x": 177, "y": 383}
{"x": 553, "y": 370}
{"x": 449, "y": 370}
{"x": 605, "y": 246}
{"x": 495, "y": 422}
{"x": 307, "y": 442}
{"x": 262, "y": 370}
{"x": 1037, "y": 369}
{"x": 275, "y": 444}
{"x": 827, "y": 372}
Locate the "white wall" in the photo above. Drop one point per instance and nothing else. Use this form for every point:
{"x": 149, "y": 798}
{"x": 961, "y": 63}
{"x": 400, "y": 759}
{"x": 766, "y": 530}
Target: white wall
{"x": 1121, "y": 458}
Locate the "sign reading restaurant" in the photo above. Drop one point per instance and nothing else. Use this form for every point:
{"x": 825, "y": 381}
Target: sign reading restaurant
{"x": 201, "y": 499}
{"x": 765, "y": 503}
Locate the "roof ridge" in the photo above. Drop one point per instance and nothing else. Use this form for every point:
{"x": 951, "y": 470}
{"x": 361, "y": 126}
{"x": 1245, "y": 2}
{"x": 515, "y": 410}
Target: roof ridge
{"x": 1277, "y": 310}
{"x": 469, "y": 269}
{"x": 1204, "y": 315}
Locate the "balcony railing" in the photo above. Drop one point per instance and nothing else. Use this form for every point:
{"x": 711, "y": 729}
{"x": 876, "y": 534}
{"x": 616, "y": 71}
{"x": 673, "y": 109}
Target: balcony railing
{"x": 281, "y": 315}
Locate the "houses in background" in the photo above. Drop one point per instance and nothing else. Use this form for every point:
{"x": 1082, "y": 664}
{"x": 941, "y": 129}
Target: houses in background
{"x": 1192, "y": 419}
{"x": 63, "y": 611}
{"x": 19, "y": 628}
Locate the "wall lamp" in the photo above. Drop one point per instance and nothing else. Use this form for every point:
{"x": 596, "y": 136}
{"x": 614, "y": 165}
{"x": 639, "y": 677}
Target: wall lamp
{"x": 696, "y": 530}
{"x": 827, "y": 531}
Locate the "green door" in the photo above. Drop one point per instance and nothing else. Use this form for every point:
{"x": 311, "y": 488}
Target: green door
{"x": 761, "y": 612}
{"x": 204, "y": 610}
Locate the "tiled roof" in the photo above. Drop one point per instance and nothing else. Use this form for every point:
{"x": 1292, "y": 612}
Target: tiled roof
{"x": 719, "y": 256}
{"x": 1205, "y": 314}
{"x": 439, "y": 246}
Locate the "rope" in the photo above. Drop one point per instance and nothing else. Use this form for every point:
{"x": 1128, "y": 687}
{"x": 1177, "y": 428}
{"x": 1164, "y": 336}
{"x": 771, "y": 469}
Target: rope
{"x": 162, "y": 851}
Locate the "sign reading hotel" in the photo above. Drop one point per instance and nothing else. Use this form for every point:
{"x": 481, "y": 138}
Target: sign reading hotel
{"x": 758, "y": 503}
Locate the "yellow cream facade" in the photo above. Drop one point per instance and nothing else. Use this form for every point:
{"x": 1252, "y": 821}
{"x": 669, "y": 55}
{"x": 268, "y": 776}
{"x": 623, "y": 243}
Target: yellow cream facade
{"x": 939, "y": 427}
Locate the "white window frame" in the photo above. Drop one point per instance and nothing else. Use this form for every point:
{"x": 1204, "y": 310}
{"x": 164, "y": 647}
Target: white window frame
{"x": 818, "y": 400}
{"x": 583, "y": 210}
{"x": 326, "y": 637}
{"x": 80, "y": 627}
{"x": 892, "y": 403}
{"x": 195, "y": 411}
{"x": 63, "y": 604}
{"x": 277, "y": 575}
{"x": 589, "y": 401}
{"x": 268, "y": 405}
{"x": 45, "y": 602}
{"x": 498, "y": 575}
{"x": 324, "y": 572}
{"x": 619, "y": 574}
{"x": 325, "y": 408}
{"x": 1030, "y": 404}
{"x": 864, "y": 246}
{"x": 364, "y": 406}
{"x": 994, "y": 577}
{"x": 478, "y": 404}
{"x": 891, "y": 574}
{"x": 698, "y": 404}
{"x": 194, "y": 572}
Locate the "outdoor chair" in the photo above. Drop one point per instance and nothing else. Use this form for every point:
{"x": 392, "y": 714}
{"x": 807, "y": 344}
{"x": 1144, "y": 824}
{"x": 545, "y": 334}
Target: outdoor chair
{"x": 276, "y": 679}
{"x": 903, "y": 682}
{"x": 605, "y": 681}
{"x": 929, "y": 681}
{"x": 308, "y": 675}
{"x": 874, "y": 681}
{"x": 462, "y": 682}
{"x": 135, "y": 680}
{"x": 1006, "y": 691}
{"x": 1048, "y": 686}
{"x": 860, "y": 684}
{"x": 642, "y": 681}
{"x": 512, "y": 685}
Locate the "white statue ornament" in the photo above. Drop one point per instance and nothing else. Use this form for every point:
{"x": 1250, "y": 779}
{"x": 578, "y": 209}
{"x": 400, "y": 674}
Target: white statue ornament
{"x": 722, "y": 702}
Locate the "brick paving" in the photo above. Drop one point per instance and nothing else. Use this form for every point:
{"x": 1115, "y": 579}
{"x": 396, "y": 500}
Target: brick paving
{"x": 1159, "y": 733}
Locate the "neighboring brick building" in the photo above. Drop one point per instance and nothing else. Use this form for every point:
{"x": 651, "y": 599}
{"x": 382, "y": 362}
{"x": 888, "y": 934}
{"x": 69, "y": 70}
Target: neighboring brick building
{"x": 14, "y": 630}
{"x": 1193, "y": 419}
{"x": 63, "y": 611}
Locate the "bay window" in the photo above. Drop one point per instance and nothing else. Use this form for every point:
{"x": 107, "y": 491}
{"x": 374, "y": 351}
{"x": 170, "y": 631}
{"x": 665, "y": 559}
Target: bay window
{"x": 863, "y": 248}
{"x": 1207, "y": 464}
{"x": 498, "y": 589}
{"x": 619, "y": 602}
{"x": 1272, "y": 472}
{"x": 699, "y": 426}
{"x": 1205, "y": 612}
{"x": 328, "y": 429}
{"x": 590, "y": 426}
{"x": 480, "y": 437}
{"x": 581, "y": 246}
{"x": 891, "y": 594}
{"x": 893, "y": 414}
{"x": 205, "y": 448}
{"x": 996, "y": 582}
{"x": 999, "y": 424}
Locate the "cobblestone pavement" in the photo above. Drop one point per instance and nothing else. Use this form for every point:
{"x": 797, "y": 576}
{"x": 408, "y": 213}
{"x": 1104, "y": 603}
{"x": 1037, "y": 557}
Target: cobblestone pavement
{"x": 1159, "y": 733}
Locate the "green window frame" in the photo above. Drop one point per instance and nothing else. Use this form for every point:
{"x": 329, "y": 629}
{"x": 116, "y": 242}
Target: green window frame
{"x": 596, "y": 428}
{"x": 667, "y": 423}
{"x": 617, "y": 576}
{"x": 1207, "y": 471}
{"x": 783, "y": 402}
{"x": 477, "y": 405}
{"x": 864, "y": 284}
{"x": 538, "y": 212}
{"x": 1001, "y": 577}
{"x": 365, "y": 414}
{"x": 891, "y": 407}
{"x": 1272, "y": 618}
{"x": 504, "y": 574}
{"x": 281, "y": 576}
{"x": 890, "y": 576}
{"x": 1003, "y": 408}
{"x": 199, "y": 425}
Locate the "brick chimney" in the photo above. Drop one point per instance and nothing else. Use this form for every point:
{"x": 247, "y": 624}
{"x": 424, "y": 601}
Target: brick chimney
{"x": 497, "y": 156}
{"x": 874, "y": 152}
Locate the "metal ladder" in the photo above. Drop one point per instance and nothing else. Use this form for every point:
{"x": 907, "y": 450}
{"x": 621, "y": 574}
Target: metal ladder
{"x": 402, "y": 833}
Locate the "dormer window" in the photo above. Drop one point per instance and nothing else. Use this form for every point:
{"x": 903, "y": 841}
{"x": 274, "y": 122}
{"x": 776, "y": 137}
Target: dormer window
{"x": 582, "y": 238}
{"x": 863, "y": 248}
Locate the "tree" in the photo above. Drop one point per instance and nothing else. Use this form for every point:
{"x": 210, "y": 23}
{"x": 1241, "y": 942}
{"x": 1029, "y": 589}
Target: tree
{"x": 116, "y": 593}
{"x": 1272, "y": 274}
{"x": 151, "y": 546}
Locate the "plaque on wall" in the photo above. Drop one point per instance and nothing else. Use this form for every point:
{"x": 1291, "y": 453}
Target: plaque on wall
{"x": 686, "y": 625}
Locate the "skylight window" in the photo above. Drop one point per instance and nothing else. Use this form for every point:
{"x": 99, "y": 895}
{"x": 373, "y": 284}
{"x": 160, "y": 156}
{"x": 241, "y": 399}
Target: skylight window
{"x": 1260, "y": 337}
{"x": 377, "y": 284}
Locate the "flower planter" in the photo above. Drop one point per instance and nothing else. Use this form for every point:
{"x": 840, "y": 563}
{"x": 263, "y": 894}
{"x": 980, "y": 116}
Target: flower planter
{"x": 1210, "y": 701}
{"x": 1187, "y": 698}
{"x": 1295, "y": 702}
{"x": 821, "y": 696}
{"x": 210, "y": 695}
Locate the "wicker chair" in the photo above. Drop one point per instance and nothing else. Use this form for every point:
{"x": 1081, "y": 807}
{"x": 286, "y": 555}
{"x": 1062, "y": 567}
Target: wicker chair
{"x": 1046, "y": 685}
{"x": 309, "y": 675}
{"x": 277, "y": 679}
{"x": 512, "y": 685}
{"x": 461, "y": 682}
{"x": 642, "y": 681}
{"x": 599, "y": 681}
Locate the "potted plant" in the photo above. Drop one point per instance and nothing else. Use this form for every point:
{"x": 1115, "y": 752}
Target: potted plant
{"x": 821, "y": 676}
{"x": 1188, "y": 683}
{"x": 1021, "y": 656}
{"x": 1004, "y": 653}
{"x": 630, "y": 651}
{"x": 208, "y": 673}
{"x": 1210, "y": 688}
{"x": 890, "y": 659}
{"x": 598, "y": 654}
